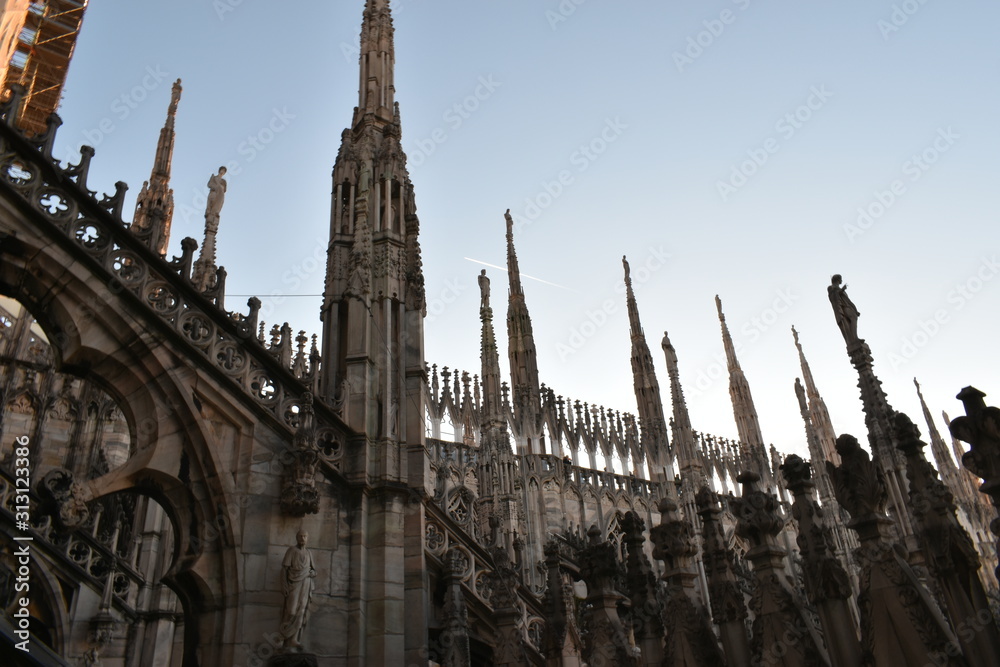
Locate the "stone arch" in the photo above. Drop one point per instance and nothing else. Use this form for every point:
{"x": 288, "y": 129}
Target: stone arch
{"x": 93, "y": 339}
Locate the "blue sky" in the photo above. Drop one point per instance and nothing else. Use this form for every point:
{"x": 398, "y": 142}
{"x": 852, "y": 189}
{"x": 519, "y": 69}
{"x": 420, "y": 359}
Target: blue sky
{"x": 744, "y": 148}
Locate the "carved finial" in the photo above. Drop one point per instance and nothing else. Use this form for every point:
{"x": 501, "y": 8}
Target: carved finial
{"x": 175, "y": 97}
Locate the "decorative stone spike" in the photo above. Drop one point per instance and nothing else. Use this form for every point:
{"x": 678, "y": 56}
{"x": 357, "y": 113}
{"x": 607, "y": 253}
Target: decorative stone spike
{"x": 826, "y": 581}
{"x": 951, "y": 555}
{"x": 47, "y": 140}
{"x": 113, "y": 203}
{"x": 182, "y": 264}
{"x": 900, "y": 623}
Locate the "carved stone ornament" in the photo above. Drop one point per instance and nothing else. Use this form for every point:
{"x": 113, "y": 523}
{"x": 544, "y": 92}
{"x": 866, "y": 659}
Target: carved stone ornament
{"x": 299, "y": 495}
{"x": 65, "y": 498}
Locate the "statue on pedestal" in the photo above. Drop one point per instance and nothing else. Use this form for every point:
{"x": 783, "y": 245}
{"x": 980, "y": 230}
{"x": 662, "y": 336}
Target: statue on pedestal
{"x": 297, "y": 574}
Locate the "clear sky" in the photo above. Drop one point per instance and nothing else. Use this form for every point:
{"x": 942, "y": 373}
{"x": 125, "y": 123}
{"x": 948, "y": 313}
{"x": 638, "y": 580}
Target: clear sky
{"x": 743, "y": 148}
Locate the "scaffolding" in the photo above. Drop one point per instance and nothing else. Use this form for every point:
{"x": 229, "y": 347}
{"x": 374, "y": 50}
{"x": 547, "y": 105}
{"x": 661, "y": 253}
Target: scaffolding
{"x": 40, "y": 54}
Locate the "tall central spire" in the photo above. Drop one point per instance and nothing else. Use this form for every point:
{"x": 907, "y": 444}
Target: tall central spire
{"x": 372, "y": 370}
{"x": 376, "y": 91}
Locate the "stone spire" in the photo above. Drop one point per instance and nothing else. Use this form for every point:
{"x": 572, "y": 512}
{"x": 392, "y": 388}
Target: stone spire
{"x": 878, "y": 412}
{"x": 154, "y": 207}
{"x": 819, "y": 416}
{"x": 656, "y": 443}
{"x": 492, "y": 398}
{"x": 500, "y": 513}
{"x": 523, "y": 357}
{"x": 689, "y": 462}
{"x": 945, "y": 463}
{"x": 376, "y": 91}
{"x": 747, "y": 423}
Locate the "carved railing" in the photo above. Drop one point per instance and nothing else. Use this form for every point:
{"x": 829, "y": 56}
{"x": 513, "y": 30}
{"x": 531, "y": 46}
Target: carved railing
{"x": 273, "y": 378}
{"x": 91, "y": 560}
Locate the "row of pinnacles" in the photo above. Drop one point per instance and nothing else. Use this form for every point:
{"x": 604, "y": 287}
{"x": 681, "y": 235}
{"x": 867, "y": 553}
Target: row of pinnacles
{"x": 936, "y": 613}
{"x": 910, "y": 592}
{"x": 884, "y": 572}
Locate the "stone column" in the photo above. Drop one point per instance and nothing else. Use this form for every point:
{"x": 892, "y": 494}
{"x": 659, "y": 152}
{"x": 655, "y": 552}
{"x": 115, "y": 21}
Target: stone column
{"x": 783, "y": 633}
{"x": 456, "y": 624}
{"x": 645, "y": 612}
{"x": 508, "y": 647}
{"x": 606, "y": 640}
{"x": 827, "y": 585}
{"x": 560, "y": 626}
{"x": 690, "y": 640}
{"x": 728, "y": 607}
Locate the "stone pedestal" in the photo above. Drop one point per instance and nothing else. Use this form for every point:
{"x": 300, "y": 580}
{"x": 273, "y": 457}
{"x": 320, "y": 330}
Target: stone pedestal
{"x": 293, "y": 660}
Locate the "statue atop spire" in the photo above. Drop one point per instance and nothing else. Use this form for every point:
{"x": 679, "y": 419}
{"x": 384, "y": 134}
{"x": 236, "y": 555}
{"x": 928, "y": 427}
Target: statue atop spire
{"x": 203, "y": 276}
{"x": 878, "y": 412}
{"x": 154, "y": 207}
{"x": 844, "y": 310}
{"x": 484, "y": 290}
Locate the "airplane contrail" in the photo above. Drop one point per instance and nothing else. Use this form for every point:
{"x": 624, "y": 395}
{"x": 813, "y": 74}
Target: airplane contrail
{"x": 523, "y": 275}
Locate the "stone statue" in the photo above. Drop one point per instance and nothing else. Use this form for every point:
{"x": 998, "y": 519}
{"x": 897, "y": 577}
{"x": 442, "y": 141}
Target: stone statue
{"x": 484, "y": 289}
{"x": 844, "y": 309}
{"x": 297, "y": 574}
{"x": 216, "y": 197}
